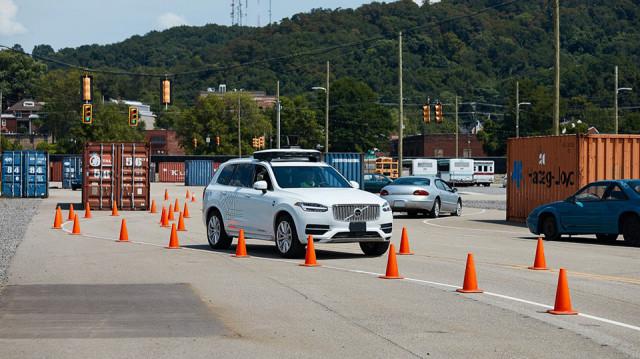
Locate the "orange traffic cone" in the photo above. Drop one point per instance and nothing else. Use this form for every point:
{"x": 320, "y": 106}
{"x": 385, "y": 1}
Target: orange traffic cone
{"x": 57, "y": 220}
{"x": 153, "y": 207}
{"x": 166, "y": 195}
{"x": 470, "y": 284}
{"x": 114, "y": 210}
{"x": 539, "y": 263}
{"x": 173, "y": 240}
{"x": 72, "y": 213}
{"x": 76, "y": 225}
{"x": 310, "y": 256}
{"x": 563, "y": 297}
{"x": 181, "y": 227}
{"x": 404, "y": 243}
{"x": 176, "y": 207}
{"x": 164, "y": 220}
{"x": 124, "y": 234}
{"x": 241, "y": 248}
{"x": 193, "y": 198}
{"x": 188, "y": 194}
{"x": 392, "y": 265}
{"x": 186, "y": 210}
{"x": 87, "y": 210}
{"x": 170, "y": 213}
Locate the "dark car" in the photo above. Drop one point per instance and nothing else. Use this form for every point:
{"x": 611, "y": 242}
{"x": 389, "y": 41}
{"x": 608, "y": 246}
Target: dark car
{"x": 603, "y": 208}
{"x": 374, "y": 182}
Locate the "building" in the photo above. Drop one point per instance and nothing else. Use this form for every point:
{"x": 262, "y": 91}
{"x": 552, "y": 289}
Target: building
{"x": 163, "y": 142}
{"x": 263, "y": 100}
{"x": 19, "y": 118}
{"x": 146, "y": 115}
{"x": 440, "y": 146}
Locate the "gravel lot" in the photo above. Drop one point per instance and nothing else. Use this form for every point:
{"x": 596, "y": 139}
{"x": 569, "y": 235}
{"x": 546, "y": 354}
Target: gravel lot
{"x": 15, "y": 215}
{"x": 499, "y": 205}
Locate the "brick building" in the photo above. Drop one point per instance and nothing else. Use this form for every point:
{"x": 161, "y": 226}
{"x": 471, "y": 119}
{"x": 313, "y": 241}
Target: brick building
{"x": 440, "y": 145}
{"x": 19, "y": 118}
{"x": 261, "y": 98}
{"x": 163, "y": 142}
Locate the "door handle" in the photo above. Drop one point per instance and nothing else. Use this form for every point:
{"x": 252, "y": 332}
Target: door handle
{"x": 247, "y": 196}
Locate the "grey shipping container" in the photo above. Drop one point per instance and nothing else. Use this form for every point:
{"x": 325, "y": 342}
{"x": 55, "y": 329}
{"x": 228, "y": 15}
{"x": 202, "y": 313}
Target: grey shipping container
{"x": 25, "y": 174}
{"x": 349, "y": 164}
{"x": 72, "y": 172}
{"x": 198, "y": 172}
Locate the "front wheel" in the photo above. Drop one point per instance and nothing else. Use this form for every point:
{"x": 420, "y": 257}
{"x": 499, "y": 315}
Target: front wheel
{"x": 550, "y": 229}
{"x": 631, "y": 230}
{"x": 374, "y": 249}
{"x": 458, "y": 211}
{"x": 216, "y": 235}
{"x": 435, "y": 210}
{"x": 287, "y": 241}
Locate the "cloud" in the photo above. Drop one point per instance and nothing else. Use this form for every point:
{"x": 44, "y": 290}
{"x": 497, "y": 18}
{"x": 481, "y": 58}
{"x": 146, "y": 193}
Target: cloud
{"x": 8, "y": 25}
{"x": 168, "y": 20}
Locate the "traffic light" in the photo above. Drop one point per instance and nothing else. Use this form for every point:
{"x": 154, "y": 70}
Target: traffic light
{"x": 261, "y": 142}
{"x": 134, "y": 116}
{"x": 217, "y": 140}
{"x": 86, "y": 88}
{"x": 87, "y": 113}
{"x": 426, "y": 113}
{"x": 439, "y": 117}
{"x": 255, "y": 143}
{"x": 166, "y": 92}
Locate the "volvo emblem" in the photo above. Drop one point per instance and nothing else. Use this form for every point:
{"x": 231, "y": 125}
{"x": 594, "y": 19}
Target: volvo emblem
{"x": 357, "y": 212}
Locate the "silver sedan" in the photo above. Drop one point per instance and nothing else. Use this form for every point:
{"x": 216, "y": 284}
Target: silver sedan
{"x": 422, "y": 194}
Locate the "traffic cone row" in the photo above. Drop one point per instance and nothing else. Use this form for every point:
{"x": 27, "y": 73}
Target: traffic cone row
{"x": 170, "y": 216}
{"x": 87, "y": 210}
{"x": 153, "y": 207}
{"x": 57, "y": 220}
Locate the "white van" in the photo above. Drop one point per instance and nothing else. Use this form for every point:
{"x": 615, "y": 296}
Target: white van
{"x": 483, "y": 172}
{"x": 456, "y": 171}
{"x": 424, "y": 167}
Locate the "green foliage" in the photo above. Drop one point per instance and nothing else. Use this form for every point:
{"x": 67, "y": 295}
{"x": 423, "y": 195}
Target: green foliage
{"x": 18, "y": 76}
{"x": 299, "y": 124}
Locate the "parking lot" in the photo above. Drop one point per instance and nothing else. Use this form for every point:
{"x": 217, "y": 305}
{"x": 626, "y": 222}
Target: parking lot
{"x": 89, "y": 296}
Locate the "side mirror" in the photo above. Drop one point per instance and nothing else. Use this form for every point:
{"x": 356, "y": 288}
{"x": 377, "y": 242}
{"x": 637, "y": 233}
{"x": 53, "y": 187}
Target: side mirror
{"x": 454, "y": 190}
{"x": 261, "y": 186}
{"x": 354, "y": 184}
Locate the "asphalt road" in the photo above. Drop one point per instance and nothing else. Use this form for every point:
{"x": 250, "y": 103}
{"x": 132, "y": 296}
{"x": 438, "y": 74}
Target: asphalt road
{"x": 88, "y": 296}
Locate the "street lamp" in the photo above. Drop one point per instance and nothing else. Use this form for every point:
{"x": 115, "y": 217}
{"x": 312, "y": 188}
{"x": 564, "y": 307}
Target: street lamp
{"x": 518, "y": 104}
{"x": 326, "y": 117}
{"x": 618, "y": 89}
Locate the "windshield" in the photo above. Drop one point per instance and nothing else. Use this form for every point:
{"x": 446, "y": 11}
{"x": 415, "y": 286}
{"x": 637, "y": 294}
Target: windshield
{"x": 309, "y": 177}
{"x": 635, "y": 185}
{"x": 412, "y": 181}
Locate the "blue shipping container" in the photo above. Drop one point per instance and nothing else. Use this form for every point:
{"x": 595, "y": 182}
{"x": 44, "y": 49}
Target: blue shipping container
{"x": 12, "y": 174}
{"x": 198, "y": 172}
{"x": 350, "y": 165}
{"x": 72, "y": 172}
{"x": 36, "y": 174}
{"x": 25, "y": 174}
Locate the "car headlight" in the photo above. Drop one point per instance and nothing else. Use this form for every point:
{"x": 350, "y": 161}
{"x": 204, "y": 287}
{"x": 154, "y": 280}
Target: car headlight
{"x": 386, "y": 207}
{"x": 312, "y": 207}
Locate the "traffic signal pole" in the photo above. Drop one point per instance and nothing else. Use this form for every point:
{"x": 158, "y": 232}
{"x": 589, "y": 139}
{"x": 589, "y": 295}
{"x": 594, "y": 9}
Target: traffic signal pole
{"x": 457, "y": 130}
{"x": 401, "y": 129}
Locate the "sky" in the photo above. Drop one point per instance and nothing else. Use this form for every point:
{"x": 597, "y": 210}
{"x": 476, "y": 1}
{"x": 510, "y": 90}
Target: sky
{"x": 72, "y": 23}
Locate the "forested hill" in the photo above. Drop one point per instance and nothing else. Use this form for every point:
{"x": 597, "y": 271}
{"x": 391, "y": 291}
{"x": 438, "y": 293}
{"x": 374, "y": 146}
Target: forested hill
{"x": 454, "y": 47}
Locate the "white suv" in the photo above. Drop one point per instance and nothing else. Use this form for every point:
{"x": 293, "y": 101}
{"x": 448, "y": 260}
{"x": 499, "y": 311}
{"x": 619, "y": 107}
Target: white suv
{"x": 286, "y": 195}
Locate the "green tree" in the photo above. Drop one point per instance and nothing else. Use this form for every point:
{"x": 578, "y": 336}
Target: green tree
{"x": 18, "y": 76}
{"x": 299, "y": 124}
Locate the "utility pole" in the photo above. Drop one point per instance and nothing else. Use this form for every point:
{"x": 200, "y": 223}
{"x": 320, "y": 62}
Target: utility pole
{"x": 1, "y": 109}
{"x": 457, "y": 128}
{"x": 326, "y": 114}
{"x": 615, "y": 105}
{"x": 239, "y": 136}
{"x": 278, "y": 114}
{"x": 517, "y": 109}
{"x": 401, "y": 134}
{"x": 556, "y": 101}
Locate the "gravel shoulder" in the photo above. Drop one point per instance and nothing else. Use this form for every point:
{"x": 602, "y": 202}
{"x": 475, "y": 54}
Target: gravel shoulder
{"x": 15, "y": 216}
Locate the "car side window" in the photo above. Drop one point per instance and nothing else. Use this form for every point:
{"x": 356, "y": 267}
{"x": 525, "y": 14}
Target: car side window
{"x": 446, "y": 186}
{"x": 592, "y": 193}
{"x": 225, "y": 176}
{"x": 368, "y": 177}
{"x": 262, "y": 174}
{"x": 615, "y": 193}
{"x": 242, "y": 176}
{"x": 440, "y": 185}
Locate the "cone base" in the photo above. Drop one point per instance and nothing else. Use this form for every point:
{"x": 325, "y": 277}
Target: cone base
{"x": 561, "y": 312}
{"x": 122, "y": 241}
{"x": 181, "y": 230}
{"x": 115, "y": 215}
{"x": 153, "y": 212}
{"x": 405, "y": 254}
{"x": 390, "y": 277}
{"x": 54, "y": 227}
{"x": 309, "y": 265}
{"x": 167, "y": 226}
{"x": 186, "y": 217}
{"x": 469, "y": 290}
{"x": 172, "y": 247}
{"x": 539, "y": 268}
{"x": 75, "y": 234}
{"x": 87, "y": 217}
{"x": 240, "y": 255}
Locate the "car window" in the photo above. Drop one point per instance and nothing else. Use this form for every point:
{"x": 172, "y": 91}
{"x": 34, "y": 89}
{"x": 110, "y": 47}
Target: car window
{"x": 446, "y": 186}
{"x": 635, "y": 185}
{"x": 593, "y": 192}
{"x": 226, "y": 175}
{"x": 368, "y": 177}
{"x": 440, "y": 185}
{"x": 615, "y": 194}
{"x": 309, "y": 177}
{"x": 242, "y": 176}
{"x": 262, "y": 174}
{"x": 412, "y": 181}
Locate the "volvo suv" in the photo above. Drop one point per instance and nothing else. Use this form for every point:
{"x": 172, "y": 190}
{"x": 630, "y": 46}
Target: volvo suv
{"x": 286, "y": 196}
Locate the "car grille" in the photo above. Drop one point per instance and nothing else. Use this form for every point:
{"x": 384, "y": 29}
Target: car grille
{"x": 356, "y": 212}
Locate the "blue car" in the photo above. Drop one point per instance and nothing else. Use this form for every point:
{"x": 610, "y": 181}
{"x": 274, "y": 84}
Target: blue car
{"x": 603, "y": 208}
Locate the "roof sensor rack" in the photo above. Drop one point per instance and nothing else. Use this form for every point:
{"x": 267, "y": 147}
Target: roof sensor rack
{"x": 288, "y": 155}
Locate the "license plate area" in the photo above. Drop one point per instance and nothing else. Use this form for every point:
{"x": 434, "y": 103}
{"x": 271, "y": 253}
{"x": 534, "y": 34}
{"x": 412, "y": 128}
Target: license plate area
{"x": 359, "y": 227}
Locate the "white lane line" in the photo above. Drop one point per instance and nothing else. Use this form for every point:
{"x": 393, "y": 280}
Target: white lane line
{"x": 429, "y": 222}
{"x": 415, "y": 280}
